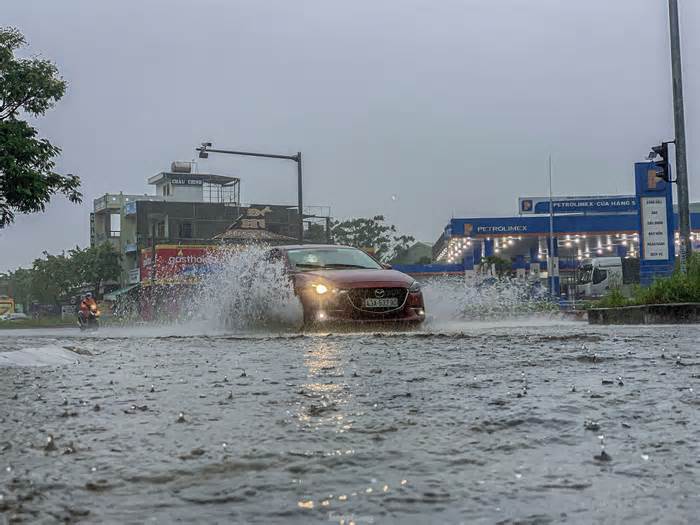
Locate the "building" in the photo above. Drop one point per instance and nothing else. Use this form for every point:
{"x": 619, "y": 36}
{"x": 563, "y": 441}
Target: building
{"x": 581, "y": 227}
{"x": 188, "y": 208}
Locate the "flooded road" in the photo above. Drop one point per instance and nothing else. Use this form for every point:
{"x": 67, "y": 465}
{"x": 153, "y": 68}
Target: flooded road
{"x": 472, "y": 423}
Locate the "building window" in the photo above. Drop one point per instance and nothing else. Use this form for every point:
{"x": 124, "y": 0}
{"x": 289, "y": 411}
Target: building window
{"x": 160, "y": 230}
{"x": 114, "y": 225}
{"x": 185, "y": 230}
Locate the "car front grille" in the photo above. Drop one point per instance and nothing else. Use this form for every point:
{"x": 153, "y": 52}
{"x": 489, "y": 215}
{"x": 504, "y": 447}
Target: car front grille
{"x": 357, "y": 298}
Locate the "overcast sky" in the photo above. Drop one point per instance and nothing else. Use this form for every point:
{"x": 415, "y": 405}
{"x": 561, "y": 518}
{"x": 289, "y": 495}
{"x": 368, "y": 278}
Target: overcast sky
{"x": 451, "y": 105}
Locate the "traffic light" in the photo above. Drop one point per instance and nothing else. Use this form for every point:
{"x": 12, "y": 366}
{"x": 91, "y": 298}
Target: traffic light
{"x": 662, "y": 167}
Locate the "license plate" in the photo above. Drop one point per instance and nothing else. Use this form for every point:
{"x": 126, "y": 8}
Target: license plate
{"x": 386, "y": 302}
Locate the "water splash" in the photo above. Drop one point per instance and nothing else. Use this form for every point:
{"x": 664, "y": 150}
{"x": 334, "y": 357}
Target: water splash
{"x": 458, "y": 299}
{"x": 247, "y": 290}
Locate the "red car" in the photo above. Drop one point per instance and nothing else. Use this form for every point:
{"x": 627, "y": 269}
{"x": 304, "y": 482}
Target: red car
{"x": 344, "y": 284}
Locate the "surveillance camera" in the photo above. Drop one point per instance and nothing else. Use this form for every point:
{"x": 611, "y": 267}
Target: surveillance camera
{"x": 203, "y": 155}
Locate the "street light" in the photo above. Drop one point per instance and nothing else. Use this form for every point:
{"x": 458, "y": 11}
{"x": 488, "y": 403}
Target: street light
{"x": 205, "y": 149}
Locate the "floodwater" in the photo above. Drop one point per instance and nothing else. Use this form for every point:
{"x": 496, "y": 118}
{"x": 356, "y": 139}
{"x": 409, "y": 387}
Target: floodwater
{"x": 467, "y": 422}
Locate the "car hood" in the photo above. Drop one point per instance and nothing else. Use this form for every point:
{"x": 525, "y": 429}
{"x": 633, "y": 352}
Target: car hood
{"x": 357, "y": 278}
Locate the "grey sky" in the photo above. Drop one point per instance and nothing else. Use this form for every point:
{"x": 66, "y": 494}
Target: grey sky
{"x": 451, "y": 105}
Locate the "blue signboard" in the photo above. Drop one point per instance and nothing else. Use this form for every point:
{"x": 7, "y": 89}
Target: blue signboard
{"x": 594, "y": 204}
{"x": 656, "y": 223}
{"x": 130, "y": 208}
{"x": 481, "y": 227}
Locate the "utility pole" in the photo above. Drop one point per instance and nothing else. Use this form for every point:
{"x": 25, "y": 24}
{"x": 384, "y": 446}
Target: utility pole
{"x": 551, "y": 260}
{"x": 679, "y": 121}
{"x": 206, "y": 148}
{"x": 300, "y": 201}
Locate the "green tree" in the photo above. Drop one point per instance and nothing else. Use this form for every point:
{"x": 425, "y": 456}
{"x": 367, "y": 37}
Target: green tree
{"x": 18, "y": 285}
{"x": 315, "y": 233}
{"x": 27, "y": 178}
{"x": 53, "y": 278}
{"x": 401, "y": 245}
{"x": 372, "y": 235}
{"x": 95, "y": 265}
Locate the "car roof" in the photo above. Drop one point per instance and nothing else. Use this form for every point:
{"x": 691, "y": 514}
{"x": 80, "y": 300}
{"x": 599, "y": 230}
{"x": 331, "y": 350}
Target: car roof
{"x": 300, "y": 246}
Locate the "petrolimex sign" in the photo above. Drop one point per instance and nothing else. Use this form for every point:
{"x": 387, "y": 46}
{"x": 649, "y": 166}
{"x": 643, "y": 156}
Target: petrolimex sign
{"x": 492, "y": 228}
{"x": 599, "y": 204}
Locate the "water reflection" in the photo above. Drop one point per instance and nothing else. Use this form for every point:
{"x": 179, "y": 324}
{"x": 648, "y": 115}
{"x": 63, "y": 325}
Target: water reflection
{"x": 326, "y": 391}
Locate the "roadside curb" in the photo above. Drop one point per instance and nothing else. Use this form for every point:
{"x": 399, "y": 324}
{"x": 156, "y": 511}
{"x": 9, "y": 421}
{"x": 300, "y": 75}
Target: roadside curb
{"x": 673, "y": 313}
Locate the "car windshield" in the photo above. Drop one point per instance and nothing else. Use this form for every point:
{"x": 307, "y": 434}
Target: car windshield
{"x": 306, "y": 259}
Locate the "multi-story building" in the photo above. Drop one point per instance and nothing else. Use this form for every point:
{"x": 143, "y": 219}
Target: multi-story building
{"x": 187, "y": 208}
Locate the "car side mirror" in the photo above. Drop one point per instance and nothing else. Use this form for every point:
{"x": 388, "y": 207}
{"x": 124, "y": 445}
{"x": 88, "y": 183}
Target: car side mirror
{"x": 386, "y": 266}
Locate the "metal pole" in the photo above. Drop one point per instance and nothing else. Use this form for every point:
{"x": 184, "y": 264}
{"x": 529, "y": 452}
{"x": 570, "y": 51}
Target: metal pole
{"x": 301, "y": 200}
{"x": 206, "y": 149}
{"x": 153, "y": 251}
{"x": 550, "y": 265}
{"x": 679, "y": 120}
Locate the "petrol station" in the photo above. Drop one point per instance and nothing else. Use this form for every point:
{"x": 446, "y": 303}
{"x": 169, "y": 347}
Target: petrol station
{"x": 550, "y": 237}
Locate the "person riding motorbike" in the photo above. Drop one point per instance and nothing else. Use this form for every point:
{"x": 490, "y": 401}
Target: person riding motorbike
{"x": 88, "y": 307}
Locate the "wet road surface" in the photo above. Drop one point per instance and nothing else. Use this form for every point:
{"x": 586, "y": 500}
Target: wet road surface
{"x": 476, "y": 423}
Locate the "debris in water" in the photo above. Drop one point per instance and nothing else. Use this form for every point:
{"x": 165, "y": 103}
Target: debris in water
{"x": 230, "y": 394}
{"x": 153, "y": 389}
{"x": 96, "y": 408}
{"x": 619, "y": 381}
{"x": 589, "y": 424}
{"x": 181, "y": 418}
{"x": 603, "y": 456}
{"x": 194, "y": 453}
{"x": 607, "y": 382}
{"x": 50, "y": 444}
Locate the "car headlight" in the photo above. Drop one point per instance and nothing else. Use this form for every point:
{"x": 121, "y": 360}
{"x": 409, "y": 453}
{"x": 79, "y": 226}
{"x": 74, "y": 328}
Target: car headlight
{"x": 415, "y": 287}
{"x": 320, "y": 288}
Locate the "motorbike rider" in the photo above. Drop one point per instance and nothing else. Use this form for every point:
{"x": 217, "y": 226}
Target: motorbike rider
{"x": 86, "y": 305}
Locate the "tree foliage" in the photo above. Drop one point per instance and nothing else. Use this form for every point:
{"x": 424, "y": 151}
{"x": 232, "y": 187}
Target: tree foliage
{"x": 316, "y": 233}
{"x": 27, "y": 178}
{"x": 53, "y": 278}
{"x": 372, "y": 235}
{"x": 96, "y": 265}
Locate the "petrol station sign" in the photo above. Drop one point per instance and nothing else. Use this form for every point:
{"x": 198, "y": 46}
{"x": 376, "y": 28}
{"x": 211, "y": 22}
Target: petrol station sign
{"x": 655, "y": 223}
{"x": 592, "y": 204}
{"x": 654, "y": 229}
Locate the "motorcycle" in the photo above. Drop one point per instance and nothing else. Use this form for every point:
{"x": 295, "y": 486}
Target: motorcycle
{"x": 89, "y": 320}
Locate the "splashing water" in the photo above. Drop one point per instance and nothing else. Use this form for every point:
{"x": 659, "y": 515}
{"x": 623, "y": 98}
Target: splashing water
{"x": 454, "y": 298}
{"x": 247, "y": 290}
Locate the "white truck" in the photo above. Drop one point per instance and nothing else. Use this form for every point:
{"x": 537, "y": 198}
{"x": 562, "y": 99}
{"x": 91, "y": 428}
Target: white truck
{"x": 598, "y": 276}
